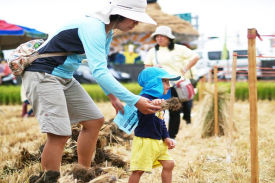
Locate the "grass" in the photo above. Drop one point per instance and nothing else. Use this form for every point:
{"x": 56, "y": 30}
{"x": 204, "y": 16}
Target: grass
{"x": 10, "y": 95}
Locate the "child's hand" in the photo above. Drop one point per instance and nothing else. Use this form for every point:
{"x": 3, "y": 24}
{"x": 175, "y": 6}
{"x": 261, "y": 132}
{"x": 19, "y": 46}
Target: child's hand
{"x": 157, "y": 101}
{"x": 170, "y": 143}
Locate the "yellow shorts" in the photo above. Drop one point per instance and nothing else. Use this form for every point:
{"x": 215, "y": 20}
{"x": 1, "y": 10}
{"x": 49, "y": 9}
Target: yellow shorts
{"x": 146, "y": 152}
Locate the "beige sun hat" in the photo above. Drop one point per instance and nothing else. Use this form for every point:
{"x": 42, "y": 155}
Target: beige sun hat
{"x": 132, "y": 9}
{"x": 165, "y": 31}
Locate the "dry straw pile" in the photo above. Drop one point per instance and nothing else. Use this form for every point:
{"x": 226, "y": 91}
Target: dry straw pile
{"x": 196, "y": 159}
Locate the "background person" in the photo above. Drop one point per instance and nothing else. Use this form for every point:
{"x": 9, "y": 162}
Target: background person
{"x": 112, "y": 55}
{"x": 143, "y": 52}
{"x": 1, "y": 71}
{"x": 25, "y": 103}
{"x": 58, "y": 100}
{"x": 151, "y": 141}
{"x": 4, "y": 70}
{"x": 130, "y": 54}
{"x": 176, "y": 59}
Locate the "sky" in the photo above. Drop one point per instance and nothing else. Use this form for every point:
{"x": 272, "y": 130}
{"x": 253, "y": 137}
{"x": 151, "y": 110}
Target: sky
{"x": 215, "y": 16}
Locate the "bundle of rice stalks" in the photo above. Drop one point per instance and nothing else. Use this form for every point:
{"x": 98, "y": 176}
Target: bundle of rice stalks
{"x": 171, "y": 104}
{"x": 208, "y": 112}
{"x": 77, "y": 173}
{"x": 70, "y": 155}
{"x": 45, "y": 177}
{"x": 81, "y": 174}
{"x": 110, "y": 133}
{"x": 24, "y": 159}
{"x": 100, "y": 155}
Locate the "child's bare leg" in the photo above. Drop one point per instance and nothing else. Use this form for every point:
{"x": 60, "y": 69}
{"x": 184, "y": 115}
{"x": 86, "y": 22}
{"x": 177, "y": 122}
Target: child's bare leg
{"x": 166, "y": 174}
{"x": 135, "y": 176}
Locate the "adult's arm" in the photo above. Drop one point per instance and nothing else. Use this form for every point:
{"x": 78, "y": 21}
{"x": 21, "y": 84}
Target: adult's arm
{"x": 188, "y": 56}
{"x": 191, "y": 63}
{"x": 93, "y": 37}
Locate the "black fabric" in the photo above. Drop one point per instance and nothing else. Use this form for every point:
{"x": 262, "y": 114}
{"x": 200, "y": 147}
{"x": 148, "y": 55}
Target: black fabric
{"x": 194, "y": 82}
{"x": 149, "y": 125}
{"x": 174, "y": 116}
{"x": 65, "y": 41}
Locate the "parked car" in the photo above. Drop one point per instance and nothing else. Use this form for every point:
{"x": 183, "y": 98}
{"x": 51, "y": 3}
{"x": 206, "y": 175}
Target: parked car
{"x": 83, "y": 74}
{"x": 211, "y": 56}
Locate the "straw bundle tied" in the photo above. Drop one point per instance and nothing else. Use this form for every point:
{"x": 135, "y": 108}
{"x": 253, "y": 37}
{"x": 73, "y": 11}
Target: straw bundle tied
{"x": 171, "y": 104}
{"x": 208, "y": 113}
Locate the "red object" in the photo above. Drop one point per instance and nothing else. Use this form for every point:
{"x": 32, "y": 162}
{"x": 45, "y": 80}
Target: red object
{"x": 185, "y": 88}
{"x": 7, "y": 70}
{"x": 7, "y": 29}
{"x": 253, "y": 36}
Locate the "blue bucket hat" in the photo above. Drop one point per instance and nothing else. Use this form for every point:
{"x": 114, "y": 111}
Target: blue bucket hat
{"x": 151, "y": 81}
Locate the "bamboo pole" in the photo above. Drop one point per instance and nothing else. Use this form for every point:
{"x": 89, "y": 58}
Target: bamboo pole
{"x": 231, "y": 107}
{"x": 216, "y": 100}
{"x": 204, "y": 80}
{"x": 252, "y": 80}
{"x": 200, "y": 90}
{"x": 203, "y": 85}
{"x": 210, "y": 77}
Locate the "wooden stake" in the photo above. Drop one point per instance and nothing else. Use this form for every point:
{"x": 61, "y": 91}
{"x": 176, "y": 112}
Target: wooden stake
{"x": 200, "y": 90}
{"x": 231, "y": 107}
{"x": 232, "y": 94}
{"x": 252, "y": 80}
{"x": 216, "y": 100}
{"x": 210, "y": 77}
{"x": 204, "y": 80}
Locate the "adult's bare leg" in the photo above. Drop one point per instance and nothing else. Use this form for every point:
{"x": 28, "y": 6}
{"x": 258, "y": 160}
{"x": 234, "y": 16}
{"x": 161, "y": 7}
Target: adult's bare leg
{"x": 87, "y": 139}
{"x": 52, "y": 152}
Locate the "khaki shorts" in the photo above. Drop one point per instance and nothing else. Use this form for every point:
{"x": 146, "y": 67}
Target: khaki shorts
{"x": 146, "y": 154}
{"x": 58, "y": 102}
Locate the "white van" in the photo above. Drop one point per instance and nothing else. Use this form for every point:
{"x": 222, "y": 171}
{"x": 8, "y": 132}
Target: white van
{"x": 211, "y": 56}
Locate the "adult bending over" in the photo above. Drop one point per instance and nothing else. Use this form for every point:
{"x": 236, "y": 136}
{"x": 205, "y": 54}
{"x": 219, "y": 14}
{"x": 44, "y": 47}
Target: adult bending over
{"x": 175, "y": 59}
{"x": 59, "y": 101}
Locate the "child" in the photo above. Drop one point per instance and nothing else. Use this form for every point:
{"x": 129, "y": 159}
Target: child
{"x": 151, "y": 141}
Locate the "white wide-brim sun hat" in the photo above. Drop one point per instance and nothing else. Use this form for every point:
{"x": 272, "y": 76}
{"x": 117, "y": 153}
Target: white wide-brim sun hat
{"x": 132, "y": 9}
{"x": 163, "y": 30}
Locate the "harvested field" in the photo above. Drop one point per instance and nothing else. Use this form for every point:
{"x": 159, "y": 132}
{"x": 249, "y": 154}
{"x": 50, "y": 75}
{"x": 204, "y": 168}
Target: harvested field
{"x": 196, "y": 159}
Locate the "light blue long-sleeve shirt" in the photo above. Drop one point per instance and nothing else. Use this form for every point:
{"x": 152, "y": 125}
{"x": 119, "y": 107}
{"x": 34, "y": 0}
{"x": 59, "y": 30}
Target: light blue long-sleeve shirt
{"x": 86, "y": 38}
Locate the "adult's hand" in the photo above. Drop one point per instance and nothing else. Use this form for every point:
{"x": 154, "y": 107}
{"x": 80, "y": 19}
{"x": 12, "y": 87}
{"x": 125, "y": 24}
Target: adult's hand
{"x": 116, "y": 103}
{"x": 145, "y": 106}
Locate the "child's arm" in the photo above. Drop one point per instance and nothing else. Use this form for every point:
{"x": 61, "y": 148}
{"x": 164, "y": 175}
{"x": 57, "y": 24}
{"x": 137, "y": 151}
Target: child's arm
{"x": 170, "y": 143}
